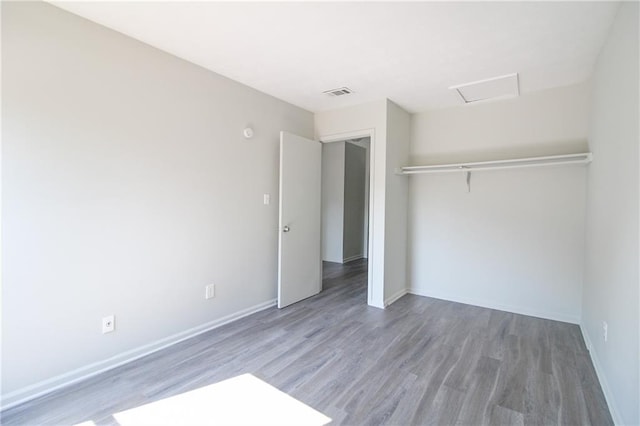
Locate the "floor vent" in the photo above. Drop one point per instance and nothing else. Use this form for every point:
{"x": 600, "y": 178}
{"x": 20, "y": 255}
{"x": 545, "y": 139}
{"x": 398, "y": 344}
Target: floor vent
{"x": 341, "y": 91}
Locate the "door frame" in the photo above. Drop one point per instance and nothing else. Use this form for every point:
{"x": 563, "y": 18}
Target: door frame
{"x": 373, "y": 281}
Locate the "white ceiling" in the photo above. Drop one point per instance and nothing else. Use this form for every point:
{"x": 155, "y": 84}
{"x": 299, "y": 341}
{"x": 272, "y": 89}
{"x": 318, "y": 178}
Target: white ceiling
{"x": 407, "y": 52}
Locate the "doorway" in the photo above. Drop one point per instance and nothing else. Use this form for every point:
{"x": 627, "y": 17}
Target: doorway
{"x": 345, "y": 206}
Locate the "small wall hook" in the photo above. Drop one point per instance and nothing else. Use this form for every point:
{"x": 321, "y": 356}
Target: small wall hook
{"x": 468, "y": 181}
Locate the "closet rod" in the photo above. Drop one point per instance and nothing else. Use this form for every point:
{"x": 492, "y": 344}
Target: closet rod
{"x": 553, "y": 160}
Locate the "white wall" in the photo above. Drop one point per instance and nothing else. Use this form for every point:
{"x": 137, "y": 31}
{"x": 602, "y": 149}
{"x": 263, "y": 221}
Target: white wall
{"x": 127, "y": 187}
{"x": 516, "y": 242}
{"x": 354, "y": 201}
{"x": 542, "y": 123}
{"x": 611, "y": 290}
{"x": 333, "y": 159}
{"x": 398, "y": 141}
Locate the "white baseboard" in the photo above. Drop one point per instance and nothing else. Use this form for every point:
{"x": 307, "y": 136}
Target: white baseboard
{"x": 397, "y": 295}
{"x": 46, "y": 386}
{"x": 556, "y": 316}
{"x": 352, "y": 258}
{"x": 615, "y": 414}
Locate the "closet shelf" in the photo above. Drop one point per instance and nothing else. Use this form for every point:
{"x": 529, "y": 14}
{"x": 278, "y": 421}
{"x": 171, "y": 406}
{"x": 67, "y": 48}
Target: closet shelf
{"x": 553, "y": 160}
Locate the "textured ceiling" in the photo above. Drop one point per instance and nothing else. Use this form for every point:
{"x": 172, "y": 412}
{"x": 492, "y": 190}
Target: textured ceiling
{"x": 407, "y": 52}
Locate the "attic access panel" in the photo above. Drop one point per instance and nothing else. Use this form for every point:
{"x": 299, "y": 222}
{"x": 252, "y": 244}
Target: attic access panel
{"x": 504, "y": 86}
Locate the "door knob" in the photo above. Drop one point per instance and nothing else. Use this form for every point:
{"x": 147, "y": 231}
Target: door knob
{"x": 286, "y": 229}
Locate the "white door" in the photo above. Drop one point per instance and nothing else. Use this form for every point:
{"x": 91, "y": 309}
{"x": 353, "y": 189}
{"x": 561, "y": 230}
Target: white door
{"x": 299, "y": 261}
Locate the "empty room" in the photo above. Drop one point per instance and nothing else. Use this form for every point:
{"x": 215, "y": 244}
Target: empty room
{"x": 307, "y": 213}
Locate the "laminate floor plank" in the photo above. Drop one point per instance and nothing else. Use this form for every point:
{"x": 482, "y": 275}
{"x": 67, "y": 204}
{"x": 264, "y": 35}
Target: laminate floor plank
{"x": 512, "y": 379}
{"x": 447, "y": 405}
{"x": 543, "y": 400}
{"x": 421, "y": 361}
{"x": 478, "y": 395}
{"x": 503, "y": 416}
{"x": 432, "y": 379}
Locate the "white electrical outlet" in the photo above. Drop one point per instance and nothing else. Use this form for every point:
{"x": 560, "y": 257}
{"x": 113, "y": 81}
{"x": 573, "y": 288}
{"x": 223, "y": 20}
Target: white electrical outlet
{"x": 108, "y": 324}
{"x": 210, "y": 291}
{"x": 266, "y": 199}
{"x": 605, "y": 330}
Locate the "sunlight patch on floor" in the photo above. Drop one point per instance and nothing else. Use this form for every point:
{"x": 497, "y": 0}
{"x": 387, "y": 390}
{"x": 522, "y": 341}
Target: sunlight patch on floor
{"x": 241, "y": 400}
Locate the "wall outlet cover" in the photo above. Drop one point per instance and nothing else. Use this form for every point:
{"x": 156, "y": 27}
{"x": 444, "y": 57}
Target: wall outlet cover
{"x": 210, "y": 291}
{"x": 108, "y": 324}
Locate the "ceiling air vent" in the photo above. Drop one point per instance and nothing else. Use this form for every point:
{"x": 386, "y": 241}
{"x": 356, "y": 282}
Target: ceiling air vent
{"x": 504, "y": 86}
{"x": 339, "y": 92}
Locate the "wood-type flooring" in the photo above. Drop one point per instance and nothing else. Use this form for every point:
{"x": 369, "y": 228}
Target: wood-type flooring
{"x": 421, "y": 361}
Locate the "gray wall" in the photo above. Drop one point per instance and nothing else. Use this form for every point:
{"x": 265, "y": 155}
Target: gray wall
{"x": 354, "y": 201}
{"x": 611, "y": 292}
{"x": 397, "y": 198}
{"x": 332, "y": 201}
{"x": 365, "y": 143}
{"x": 126, "y": 188}
{"x": 344, "y": 194}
